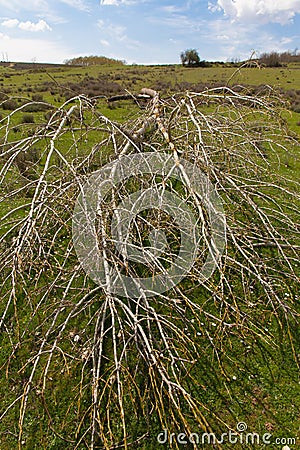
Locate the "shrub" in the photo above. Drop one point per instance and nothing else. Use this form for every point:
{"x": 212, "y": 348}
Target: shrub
{"x": 93, "y": 87}
{"x": 37, "y": 98}
{"x": 271, "y": 59}
{"x": 36, "y": 107}
{"x": 9, "y": 105}
{"x": 25, "y": 161}
{"x": 296, "y": 107}
{"x": 27, "y": 118}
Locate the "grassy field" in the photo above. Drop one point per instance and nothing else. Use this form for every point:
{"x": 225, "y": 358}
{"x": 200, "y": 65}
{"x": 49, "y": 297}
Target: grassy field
{"x": 55, "y": 84}
{"x": 243, "y": 373}
{"x": 133, "y": 78}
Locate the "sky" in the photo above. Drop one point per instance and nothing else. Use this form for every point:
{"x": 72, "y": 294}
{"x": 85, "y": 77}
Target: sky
{"x": 146, "y": 31}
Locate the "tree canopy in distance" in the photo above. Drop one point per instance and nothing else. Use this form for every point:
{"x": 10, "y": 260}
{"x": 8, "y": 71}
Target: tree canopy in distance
{"x": 190, "y": 58}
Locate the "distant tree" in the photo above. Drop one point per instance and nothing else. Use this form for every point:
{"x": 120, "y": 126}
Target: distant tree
{"x": 190, "y": 58}
{"x": 275, "y": 59}
{"x": 91, "y": 61}
{"x": 271, "y": 59}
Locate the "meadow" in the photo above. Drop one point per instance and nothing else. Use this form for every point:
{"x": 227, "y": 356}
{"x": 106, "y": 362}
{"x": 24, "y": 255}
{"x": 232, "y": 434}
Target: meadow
{"x": 77, "y": 372}
{"x": 57, "y": 83}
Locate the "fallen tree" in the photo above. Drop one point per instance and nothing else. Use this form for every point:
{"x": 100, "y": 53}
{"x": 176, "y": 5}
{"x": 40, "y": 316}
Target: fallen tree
{"x": 106, "y": 365}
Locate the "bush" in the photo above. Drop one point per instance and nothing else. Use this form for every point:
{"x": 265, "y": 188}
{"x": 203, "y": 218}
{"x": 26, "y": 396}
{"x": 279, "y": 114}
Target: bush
{"x": 27, "y": 118}
{"x": 296, "y": 107}
{"x": 25, "y": 161}
{"x": 271, "y": 59}
{"x": 35, "y": 107}
{"x": 10, "y": 105}
{"x": 37, "y": 98}
{"x": 48, "y": 115}
{"x": 94, "y": 87}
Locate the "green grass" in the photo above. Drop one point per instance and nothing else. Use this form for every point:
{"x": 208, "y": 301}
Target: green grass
{"x": 53, "y": 83}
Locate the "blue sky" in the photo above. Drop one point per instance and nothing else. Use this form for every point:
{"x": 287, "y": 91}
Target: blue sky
{"x": 146, "y": 31}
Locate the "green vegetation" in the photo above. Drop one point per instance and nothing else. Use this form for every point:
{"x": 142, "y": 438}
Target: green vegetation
{"x": 55, "y": 83}
{"x": 190, "y": 58}
{"x": 275, "y": 59}
{"x": 76, "y": 369}
{"x": 92, "y": 61}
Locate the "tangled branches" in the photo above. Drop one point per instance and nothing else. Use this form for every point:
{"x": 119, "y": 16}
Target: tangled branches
{"x": 109, "y": 367}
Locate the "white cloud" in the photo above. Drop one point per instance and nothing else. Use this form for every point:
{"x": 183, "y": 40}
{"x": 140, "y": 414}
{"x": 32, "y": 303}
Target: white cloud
{"x": 78, "y": 4}
{"x": 40, "y": 5}
{"x": 183, "y": 24}
{"x": 117, "y": 2}
{"x": 286, "y": 40}
{"x": 227, "y": 42}
{"x": 214, "y": 7}
{"x": 42, "y": 8}
{"x": 3, "y": 37}
{"x": 111, "y": 32}
{"x": 174, "y": 41}
{"x": 19, "y": 5}
{"x": 41, "y": 25}
{"x": 117, "y": 31}
{"x": 110, "y": 2}
{"x": 263, "y": 11}
{"x": 104, "y": 42}
{"x": 10, "y": 23}
{"x": 170, "y": 9}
